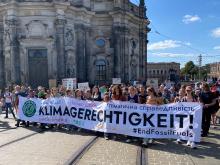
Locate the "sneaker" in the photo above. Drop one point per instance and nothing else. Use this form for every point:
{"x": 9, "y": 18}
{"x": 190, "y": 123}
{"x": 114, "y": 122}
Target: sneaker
{"x": 204, "y": 135}
{"x": 106, "y": 138}
{"x": 150, "y": 141}
{"x": 193, "y": 145}
{"x": 178, "y": 141}
{"x": 128, "y": 141}
{"x": 145, "y": 143}
{"x": 114, "y": 137}
{"x": 6, "y": 117}
{"x": 188, "y": 143}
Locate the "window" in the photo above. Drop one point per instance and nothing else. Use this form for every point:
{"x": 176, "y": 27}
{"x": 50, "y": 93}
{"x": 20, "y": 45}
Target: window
{"x": 161, "y": 71}
{"x": 158, "y": 72}
{"x": 100, "y": 70}
{"x": 100, "y": 42}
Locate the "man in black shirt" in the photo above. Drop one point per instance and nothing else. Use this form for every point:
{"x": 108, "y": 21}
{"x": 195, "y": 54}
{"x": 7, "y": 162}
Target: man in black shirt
{"x": 207, "y": 98}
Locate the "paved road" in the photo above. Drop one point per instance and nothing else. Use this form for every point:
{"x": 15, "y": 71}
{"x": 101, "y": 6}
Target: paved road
{"x": 22, "y": 146}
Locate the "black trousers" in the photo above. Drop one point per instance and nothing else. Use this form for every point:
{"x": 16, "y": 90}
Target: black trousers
{"x": 8, "y": 106}
{"x": 206, "y": 119}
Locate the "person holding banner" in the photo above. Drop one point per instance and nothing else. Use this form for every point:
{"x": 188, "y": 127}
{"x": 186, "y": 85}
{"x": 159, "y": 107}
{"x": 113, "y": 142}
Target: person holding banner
{"x": 132, "y": 98}
{"x": 88, "y": 95}
{"x": 19, "y": 91}
{"x": 79, "y": 95}
{"x": 96, "y": 94}
{"x": 106, "y": 98}
{"x": 189, "y": 98}
{"x": 142, "y": 97}
{"x": 117, "y": 96}
{"x": 117, "y": 93}
{"x": 152, "y": 99}
{"x": 179, "y": 96}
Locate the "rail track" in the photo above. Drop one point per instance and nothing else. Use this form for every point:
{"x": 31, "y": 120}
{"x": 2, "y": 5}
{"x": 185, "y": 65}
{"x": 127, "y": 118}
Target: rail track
{"x": 81, "y": 151}
{"x": 75, "y": 158}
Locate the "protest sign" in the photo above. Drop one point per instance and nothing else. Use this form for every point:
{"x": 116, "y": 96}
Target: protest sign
{"x": 52, "y": 83}
{"x": 116, "y": 81}
{"x": 83, "y": 86}
{"x": 152, "y": 82}
{"x": 177, "y": 120}
{"x": 69, "y": 83}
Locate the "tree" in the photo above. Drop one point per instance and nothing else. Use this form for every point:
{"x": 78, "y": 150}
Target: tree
{"x": 190, "y": 69}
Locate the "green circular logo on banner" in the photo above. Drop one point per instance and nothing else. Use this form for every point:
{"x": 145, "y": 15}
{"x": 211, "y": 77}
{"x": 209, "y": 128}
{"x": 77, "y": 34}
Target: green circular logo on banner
{"x": 29, "y": 108}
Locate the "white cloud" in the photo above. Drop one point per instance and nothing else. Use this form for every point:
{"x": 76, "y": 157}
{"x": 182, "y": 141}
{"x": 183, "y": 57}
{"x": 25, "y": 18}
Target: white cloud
{"x": 166, "y": 44}
{"x": 216, "y": 48}
{"x": 191, "y": 18}
{"x": 159, "y": 54}
{"x": 216, "y": 32}
{"x": 188, "y": 43}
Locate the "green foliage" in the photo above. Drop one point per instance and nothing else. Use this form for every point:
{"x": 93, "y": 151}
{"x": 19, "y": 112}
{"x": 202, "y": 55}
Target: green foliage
{"x": 191, "y": 70}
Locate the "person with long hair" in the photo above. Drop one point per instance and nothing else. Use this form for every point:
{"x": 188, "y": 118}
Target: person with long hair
{"x": 152, "y": 99}
{"x": 179, "y": 96}
{"x": 132, "y": 98}
{"x": 189, "y": 98}
{"x": 117, "y": 93}
{"x": 142, "y": 97}
{"x": 96, "y": 94}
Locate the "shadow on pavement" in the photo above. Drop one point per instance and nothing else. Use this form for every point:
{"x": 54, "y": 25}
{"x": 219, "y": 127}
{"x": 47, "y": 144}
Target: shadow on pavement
{"x": 208, "y": 147}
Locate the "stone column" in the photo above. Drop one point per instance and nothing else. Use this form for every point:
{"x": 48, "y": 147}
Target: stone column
{"x": 2, "y": 77}
{"x": 80, "y": 52}
{"x": 60, "y": 24}
{"x": 12, "y": 59}
{"x": 87, "y": 53}
{"x": 121, "y": 52}
{"x": 117, "y": 51}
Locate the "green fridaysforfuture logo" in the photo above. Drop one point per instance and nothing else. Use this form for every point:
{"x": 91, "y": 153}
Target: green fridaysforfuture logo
{"x": 29, "y": 108}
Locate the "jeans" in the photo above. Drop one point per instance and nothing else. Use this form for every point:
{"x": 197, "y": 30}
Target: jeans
{"x": 9, "y": 106}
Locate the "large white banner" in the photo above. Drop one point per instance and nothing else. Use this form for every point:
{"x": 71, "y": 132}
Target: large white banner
{"x": 177, "y": 120}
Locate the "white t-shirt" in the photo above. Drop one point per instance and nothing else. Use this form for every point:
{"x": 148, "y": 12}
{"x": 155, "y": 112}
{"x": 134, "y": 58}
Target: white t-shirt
{"x": 8, "y": 97}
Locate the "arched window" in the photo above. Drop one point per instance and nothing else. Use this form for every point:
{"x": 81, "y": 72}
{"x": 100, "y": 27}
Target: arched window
{"x": 100, "y": 70}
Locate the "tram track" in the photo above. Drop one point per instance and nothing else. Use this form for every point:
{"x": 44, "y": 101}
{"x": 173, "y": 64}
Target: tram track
{"x": 20, "y": 138}
{"x": 76, "y": 157}
{"x": 141, "y": 156}
{"x": 81, "y": 151}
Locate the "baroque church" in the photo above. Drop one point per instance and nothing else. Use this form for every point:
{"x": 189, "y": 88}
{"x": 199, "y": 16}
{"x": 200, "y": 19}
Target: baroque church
{"x": 91, "y": 40}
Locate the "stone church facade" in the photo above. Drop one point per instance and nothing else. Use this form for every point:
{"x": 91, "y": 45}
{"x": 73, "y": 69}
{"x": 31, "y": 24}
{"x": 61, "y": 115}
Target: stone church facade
{"x": 92, "y": 40}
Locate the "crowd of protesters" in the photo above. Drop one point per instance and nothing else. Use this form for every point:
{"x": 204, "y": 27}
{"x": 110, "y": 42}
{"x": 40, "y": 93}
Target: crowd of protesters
{"x": 203, "y": 93}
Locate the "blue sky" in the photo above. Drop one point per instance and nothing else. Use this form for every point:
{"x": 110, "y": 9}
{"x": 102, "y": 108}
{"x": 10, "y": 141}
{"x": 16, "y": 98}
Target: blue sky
{"x": 183, "y": 29}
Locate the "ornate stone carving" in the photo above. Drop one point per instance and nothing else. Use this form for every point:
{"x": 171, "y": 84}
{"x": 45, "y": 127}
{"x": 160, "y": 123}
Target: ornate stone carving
{"x": 36, "y": 28}
{"x": 70, "y": 63}
{"x": 69, "y": 37}
{"x": 133, "y": 64}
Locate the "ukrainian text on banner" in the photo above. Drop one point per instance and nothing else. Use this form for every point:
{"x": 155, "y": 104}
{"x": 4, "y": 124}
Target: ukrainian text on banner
{"x": 177, "y": 120}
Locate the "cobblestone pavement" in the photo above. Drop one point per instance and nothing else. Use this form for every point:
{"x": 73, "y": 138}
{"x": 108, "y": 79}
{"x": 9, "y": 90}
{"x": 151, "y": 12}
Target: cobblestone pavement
{"x": 161, "y": 152}
{"x": 167, "y": 152}
{"x": 110, "y": 153}
{"x": 22, "y": 146}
